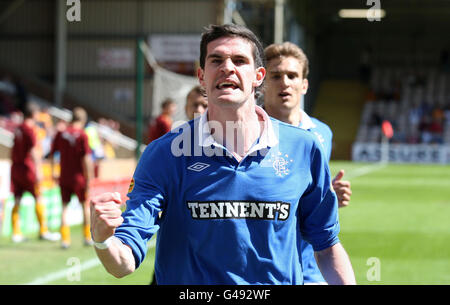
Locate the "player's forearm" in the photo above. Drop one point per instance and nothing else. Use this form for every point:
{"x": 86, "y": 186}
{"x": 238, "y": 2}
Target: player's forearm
{"x": 335, "y": 265}
{"x": 52, "y": 165}
{"x": 36, "y": 160}
{"x": 88, "y": 168}
{"x": 118, "y": 259}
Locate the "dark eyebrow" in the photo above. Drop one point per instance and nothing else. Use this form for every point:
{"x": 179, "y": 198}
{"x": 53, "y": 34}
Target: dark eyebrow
{"x": 214, "y": 55}
{"x": 217, "y": 55}
{"x": 240, "y": 57}
{"x": 283, "y": 72}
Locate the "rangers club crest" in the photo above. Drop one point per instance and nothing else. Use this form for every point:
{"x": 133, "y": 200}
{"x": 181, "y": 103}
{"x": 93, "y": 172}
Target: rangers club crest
{"x": 280, "y": 163}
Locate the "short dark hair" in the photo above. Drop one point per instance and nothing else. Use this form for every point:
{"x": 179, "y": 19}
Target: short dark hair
{"x": 30, "y": 109}
{"x": 213, "y": 32}
{"x": 79, "y": 115}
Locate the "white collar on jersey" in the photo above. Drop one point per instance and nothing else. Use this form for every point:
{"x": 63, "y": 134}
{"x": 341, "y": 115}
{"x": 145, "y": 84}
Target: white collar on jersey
{"x": 268, "y": 137}
{"x": 306, "y": 122}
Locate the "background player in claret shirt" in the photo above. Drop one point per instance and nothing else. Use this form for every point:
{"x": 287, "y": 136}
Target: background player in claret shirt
{"x": 26, "y": 173}
{"x": 75, "y": 171}
{"x": 286, "y": 82}
{"x": 163, "y": 123}
{"x": 230, "y": 216}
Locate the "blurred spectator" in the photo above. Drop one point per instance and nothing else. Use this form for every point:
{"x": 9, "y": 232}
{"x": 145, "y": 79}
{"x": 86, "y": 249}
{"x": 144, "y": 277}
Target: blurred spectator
{"x": 96, "y": 145}
{"x": 438, "y": 114}
{"x": 109, "y": 149}
{"x": 44, "y": 131}
{"x": 163, "y": 123}
{"x": 424, "y": 125}
{"x": 108, "y": 127}
{"x": 436, "y": 131}
{"x": 415, "y": 116}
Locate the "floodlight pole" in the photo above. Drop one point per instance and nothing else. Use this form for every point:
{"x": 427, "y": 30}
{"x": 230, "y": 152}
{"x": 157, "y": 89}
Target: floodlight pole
{"x": 279, "y": 21}
{"x": 228, "y": 9}
{"x": 139, "y": 89}
{"x": 61, "y": 52}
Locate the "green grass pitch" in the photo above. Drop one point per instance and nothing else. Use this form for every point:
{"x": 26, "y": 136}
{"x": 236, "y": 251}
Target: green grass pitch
{"x": 396, "y": 231}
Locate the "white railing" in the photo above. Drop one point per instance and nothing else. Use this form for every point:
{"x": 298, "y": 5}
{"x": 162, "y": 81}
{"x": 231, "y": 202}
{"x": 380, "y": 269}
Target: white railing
{"x": 6, "y": 137}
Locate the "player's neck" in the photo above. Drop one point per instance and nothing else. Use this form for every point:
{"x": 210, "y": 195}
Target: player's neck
{"x": 293, "y": 117}
{"x": 235, "y": 128}
{"x": 77, "y": 125}
{"x": 29, "y": 122}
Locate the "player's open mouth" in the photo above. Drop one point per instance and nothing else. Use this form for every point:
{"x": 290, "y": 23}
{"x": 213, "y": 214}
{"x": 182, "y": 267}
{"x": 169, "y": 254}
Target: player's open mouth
{"x": 227, "y": 85}
{"x": 284, "y": 94}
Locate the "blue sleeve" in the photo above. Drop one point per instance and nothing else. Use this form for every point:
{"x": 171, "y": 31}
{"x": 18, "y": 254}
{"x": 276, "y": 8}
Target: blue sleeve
{"x": 330, "y": 145}
{"x": 319, "y": 223}
{"x": 146, "y": 200}
{"x": 324, "y": 131}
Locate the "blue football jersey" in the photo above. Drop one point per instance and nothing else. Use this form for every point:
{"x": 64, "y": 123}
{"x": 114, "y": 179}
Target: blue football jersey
{"x": 323, "y": 133}
{"x": 230, "y": 222}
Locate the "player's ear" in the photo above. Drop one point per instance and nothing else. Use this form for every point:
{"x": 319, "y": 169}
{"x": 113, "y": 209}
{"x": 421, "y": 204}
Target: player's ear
{"x": 305, "y": 86}
{"x": 260, "y": 75}
{"x": 200, "y": 76}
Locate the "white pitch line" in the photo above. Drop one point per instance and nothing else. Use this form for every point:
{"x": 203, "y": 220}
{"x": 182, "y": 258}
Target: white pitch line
{"x": 94, "y": 262}
{"x": 364, "y": 170}
{"x": 63, "y": 272}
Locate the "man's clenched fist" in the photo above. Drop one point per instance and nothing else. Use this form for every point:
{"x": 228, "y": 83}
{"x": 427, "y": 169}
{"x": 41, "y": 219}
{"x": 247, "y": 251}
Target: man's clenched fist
{"x": 106, "y": 215}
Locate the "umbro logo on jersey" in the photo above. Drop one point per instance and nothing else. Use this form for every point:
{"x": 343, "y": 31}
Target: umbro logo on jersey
{"x": 198, "y": 166}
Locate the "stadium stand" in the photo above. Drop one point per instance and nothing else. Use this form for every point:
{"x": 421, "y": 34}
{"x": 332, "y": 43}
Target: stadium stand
{"x": 415, "y": 102}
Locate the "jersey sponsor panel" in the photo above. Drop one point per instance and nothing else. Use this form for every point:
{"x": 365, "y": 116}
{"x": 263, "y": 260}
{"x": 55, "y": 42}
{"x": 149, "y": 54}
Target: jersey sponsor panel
{"x": 275, "y": 210}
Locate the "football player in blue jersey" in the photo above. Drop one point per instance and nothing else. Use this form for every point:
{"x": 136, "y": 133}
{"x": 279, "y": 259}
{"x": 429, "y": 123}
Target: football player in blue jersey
{"x": 286, "y": 82}
{"x": 238, "y": 190}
